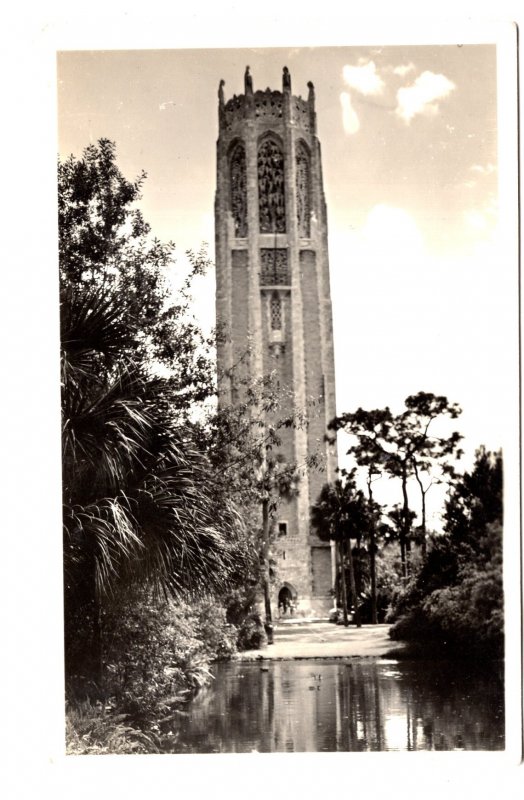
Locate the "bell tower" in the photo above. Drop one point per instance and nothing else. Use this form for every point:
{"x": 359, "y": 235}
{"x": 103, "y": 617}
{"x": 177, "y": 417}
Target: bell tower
{"x": 273, "y": 296}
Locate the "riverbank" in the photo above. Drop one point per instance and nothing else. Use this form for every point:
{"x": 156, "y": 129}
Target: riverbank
{"x": 295, "y": 639}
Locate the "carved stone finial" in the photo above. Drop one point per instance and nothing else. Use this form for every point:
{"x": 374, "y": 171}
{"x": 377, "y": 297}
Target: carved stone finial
{"x": 221, "y": 92}
{"x": 248, "y": 82}
{"x": 286, "y": 79}
{"x": 311, "y": 88}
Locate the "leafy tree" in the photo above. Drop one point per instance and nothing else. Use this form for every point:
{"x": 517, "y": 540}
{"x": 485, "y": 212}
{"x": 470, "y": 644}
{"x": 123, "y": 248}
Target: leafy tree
{"x": 340, "y": 514}
{"x": 106, "y": 250}
{"x": 244, "y": 443}
{"x": 431, "y": 454}
{"x": 402, "y": 446}
{"x": 135, "y": 482}
{"x": 476, "y": 499}
{"x": 371, "y": 430}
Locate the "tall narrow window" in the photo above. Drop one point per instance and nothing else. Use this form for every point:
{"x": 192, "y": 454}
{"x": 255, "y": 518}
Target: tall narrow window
{"x": 303, "y": 190}
{"x": 276, "y": 312}
{"x": 271, "y": 198}
{"x": 238, "y": 189}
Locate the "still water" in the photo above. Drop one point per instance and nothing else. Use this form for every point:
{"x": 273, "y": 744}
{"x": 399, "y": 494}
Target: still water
{"x": 358, "y": 705}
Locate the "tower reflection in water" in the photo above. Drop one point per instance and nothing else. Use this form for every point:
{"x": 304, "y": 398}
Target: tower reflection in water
{"x": 312, "y": 706}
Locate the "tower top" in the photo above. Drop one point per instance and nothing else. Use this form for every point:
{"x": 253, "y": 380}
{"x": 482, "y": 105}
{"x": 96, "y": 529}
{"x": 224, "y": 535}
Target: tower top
{"x": 267, "y": 103}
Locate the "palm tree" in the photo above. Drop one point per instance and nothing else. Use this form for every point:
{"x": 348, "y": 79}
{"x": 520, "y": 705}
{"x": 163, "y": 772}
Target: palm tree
{"x": 341, "y": 514}
{"x": 138, "y": 496}
{"x": 136, "y": 504}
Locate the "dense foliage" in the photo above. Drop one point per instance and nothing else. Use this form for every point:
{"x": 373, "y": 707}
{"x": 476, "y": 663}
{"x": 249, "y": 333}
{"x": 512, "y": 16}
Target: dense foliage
{"x": 143, "y": 519}
{"x": 155, "y": 656}
{"x": 456, "y": 598}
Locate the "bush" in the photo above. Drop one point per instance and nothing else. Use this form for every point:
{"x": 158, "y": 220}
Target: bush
{"x": 218, "y": 636}
{"x": 251, "y": 634}
{"x": 93, "y": 730}
{"x": 457, "y": 600}
{"x": 157, "y": 653}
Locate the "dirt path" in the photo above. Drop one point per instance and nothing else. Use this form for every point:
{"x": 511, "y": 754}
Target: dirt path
{"x": 302, "y": 639}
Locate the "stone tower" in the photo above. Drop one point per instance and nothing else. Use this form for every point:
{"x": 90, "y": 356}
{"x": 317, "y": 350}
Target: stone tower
{"x": 273, "y": 295}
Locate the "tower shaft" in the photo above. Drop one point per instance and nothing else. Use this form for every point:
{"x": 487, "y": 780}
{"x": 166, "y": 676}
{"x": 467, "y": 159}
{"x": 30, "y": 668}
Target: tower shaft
{"x": 273, "y": 300}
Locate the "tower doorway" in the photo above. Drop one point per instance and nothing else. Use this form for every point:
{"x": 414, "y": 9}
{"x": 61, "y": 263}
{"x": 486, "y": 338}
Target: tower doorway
{"x": 287, "y": 597}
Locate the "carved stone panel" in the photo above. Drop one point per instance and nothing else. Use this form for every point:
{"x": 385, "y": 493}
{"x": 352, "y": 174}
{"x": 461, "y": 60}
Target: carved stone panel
{"x": 271, "y": 198}
{"x": 238, "y": 189}
{"x": 303, "y": 184}
{"x": 274, "y": 269}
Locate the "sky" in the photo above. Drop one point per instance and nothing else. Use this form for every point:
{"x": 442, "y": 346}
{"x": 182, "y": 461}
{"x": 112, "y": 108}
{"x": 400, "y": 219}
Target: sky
{"x": 423, "y": 296}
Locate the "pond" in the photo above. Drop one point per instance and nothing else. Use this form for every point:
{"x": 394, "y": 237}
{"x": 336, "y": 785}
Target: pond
{"x": 345, "y": 705}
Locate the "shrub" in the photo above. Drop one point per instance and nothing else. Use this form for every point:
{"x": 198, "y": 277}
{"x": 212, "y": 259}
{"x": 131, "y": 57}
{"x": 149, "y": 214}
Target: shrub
{"x": 157, "y": 655}
{"x": 93, "y": 730}
{"x": 461, "y": 607}
{"x": 251, "y": 634}
{"x": 157, "y": 652}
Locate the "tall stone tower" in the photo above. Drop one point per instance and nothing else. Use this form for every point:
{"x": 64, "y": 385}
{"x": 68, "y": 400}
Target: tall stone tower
{"x": 273, "y": 296}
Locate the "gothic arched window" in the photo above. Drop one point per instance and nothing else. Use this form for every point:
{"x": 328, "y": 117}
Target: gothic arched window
{"x": 237, "y": 172}
{"x": 276, "y": 312}
{"x": 303, "y": 190}
{"x": 271, "y": 198}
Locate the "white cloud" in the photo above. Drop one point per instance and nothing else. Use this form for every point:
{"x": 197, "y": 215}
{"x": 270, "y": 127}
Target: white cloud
{"x": 350, "y": 119}
{"x": 403, "y": 69}
{"x": 363, "y": 78}
{"x": 483, "y": 170}
{"x": 422, "y": 96}
{"x": 166, "y": 104}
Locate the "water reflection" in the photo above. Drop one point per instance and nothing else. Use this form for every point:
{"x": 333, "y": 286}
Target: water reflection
{"x": 312, "y": 706}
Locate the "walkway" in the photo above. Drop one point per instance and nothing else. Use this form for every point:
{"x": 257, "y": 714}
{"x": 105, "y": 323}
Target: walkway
{"x": 320, "y": 639}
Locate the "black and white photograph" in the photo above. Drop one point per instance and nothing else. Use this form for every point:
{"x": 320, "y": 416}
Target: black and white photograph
{"x": 238, "y": 577}
{"x": 287, "y": 385}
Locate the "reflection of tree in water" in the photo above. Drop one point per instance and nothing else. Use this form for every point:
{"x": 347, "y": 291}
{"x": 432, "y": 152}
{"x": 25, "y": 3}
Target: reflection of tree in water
{"x": 353, "y": 706}
{"x": 418, "y": 706}
{"x": 360, "y": 709}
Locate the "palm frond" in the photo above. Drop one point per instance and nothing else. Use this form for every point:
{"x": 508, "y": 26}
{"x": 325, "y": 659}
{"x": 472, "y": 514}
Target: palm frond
{"x": 93, "y": 325}
{"x": 105, "y": 434}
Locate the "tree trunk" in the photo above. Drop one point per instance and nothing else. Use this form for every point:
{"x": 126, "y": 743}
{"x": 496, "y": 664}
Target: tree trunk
{"x": 372, "y": 565}
{"x": 372, "y": 575}
{"x": 343, "y": 587}
{"x": 267, "y": 597}
{"x": 423, "y": 496}
{"x": 403, "y": 555}
{"x": 354, "y": 598}
{"x": 404, "y": 528}
{"x": 423, "y": 540}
